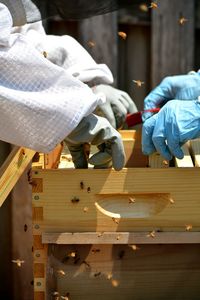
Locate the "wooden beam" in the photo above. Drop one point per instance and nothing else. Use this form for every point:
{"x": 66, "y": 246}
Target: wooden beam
{"x": 187, "y": 160}
{"x": 195, "y": 149}
{"x": 12, "y": 169}
{"x": 170, "y": 52}
{"x": 121, "y": 238}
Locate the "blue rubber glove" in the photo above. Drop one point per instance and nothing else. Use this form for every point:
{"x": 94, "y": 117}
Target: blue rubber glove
{"x": 182, "y": 87}
{"x": 175, "y": 124}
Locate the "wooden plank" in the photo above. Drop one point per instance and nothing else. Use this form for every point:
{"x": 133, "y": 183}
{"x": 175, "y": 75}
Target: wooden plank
{"x": 174, "y": 57}
{"x": 52, "y": 159}
{"x": 195, "y": 150}
{"x": 157, "y": 161}
{"x": 85, "y": 238}
{"x": 132, "y": 147}
{"x": 144, "y": 198}
{"x": 95, "y": 30}
{"x": 111, "y": 272}
{"x": 187, "y": 160}
{"x": 39, "y": 296}
{"x": 12, "y": 169}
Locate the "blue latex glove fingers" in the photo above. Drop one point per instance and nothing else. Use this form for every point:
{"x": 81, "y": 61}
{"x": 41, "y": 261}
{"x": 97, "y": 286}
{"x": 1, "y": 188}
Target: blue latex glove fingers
{"x": 176, "y": 123}
{"x": 147, "y": 133}
{"x": 182, "y": 87}
{"x": 161, "y": 147}
{"x": 161, "y": 94}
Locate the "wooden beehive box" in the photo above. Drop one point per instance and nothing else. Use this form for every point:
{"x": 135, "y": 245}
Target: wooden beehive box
{"x": 87, "y": 225}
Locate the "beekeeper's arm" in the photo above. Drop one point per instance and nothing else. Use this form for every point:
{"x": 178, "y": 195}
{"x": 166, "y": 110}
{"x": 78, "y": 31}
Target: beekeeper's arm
{"x": 40, "y": 103}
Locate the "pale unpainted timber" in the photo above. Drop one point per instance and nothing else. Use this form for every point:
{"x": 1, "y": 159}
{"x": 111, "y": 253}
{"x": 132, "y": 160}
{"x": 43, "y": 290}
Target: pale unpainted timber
{"x": 134, "y": 199}
{"x": 187, "y": 160}
{"x": 69, "y": 238}
{"x": 12, "y": 169}
{"x": 195, "y": 150}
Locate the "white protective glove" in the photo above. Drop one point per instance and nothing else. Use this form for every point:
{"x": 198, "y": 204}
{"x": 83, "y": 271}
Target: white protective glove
{"x": 96, "y": 131}
{"x": 118, "y": 104}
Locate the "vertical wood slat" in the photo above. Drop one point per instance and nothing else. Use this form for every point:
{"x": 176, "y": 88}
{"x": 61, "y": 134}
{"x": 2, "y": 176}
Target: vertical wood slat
{"x": 102, "y": 30}
{"x": 12, "y": 169}
{"x": 195, "y": 149}
{"x": 187, "y": 160}
{"x": 39, "y": 257}
{"x": 172, "y": 43}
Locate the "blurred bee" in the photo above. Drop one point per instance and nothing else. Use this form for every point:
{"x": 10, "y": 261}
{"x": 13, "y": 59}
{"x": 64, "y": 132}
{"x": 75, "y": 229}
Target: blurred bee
{"x": 115, "y": 220}
{"x": 18, "y": 262}
{"x": 139, "y": 83}
{"x": 171, "y": 200}
{"x": 152, "y": 234}
{"x": 95, "y": 251}
{"x": 91, "y": 44}
{"x": 56, "y": 295}
{"x": 44, "y": 54}
{"x": 66, "y": 297}
{"x": 188, "y": 227}
{"x": 86, "y": 209}
{"x": 134, "y": 247}
{"x": 118, "y": 237}
{"x": 100, "y": 234}
{"x": 131, "y": 200}
{"x": 165, "y": 163}
{"x": 82, "y": 185}
{"x": 115, "y": 282}
{"x": 122, "y": 34}
{"x": 153, "y": 5}
{"x": 143, "y": 7}
{"x": 182, "y": 21}
{"x": 109, "y": 276}
{"x": 61, "y": 272}
{"x": 72, "y": 254}
{"x": 97, "y": 274}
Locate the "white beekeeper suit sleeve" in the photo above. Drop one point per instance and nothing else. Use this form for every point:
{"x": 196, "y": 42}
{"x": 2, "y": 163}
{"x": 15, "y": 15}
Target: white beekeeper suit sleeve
{"x": 66, "y": 52}
{"x": 40, "y": 103}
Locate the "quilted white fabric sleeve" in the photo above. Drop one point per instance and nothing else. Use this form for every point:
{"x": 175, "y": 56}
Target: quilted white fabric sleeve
{"x": 66, "y": 52}
{"x": 40, "y": 103}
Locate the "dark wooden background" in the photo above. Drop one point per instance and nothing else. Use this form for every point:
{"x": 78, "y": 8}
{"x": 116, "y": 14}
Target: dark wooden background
{"x": 156, "y": 46}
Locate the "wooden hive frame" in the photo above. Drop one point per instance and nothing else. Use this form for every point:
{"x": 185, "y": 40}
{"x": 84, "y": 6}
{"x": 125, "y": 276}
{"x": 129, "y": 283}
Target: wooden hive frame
{"x": 183, "y": 170}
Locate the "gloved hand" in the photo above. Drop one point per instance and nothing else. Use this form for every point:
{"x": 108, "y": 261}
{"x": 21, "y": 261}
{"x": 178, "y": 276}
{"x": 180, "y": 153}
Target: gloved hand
{"x": 182, "y": 87}
{"x": 118, "y": 104}
{"x": 176, "y": 123}
{"x": 97, "y": 131}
